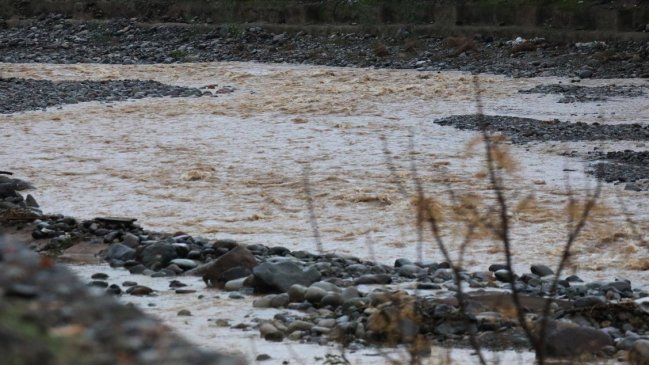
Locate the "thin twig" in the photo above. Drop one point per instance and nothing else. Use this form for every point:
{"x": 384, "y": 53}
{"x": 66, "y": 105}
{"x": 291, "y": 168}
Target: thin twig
{"x": 313, "y": 219}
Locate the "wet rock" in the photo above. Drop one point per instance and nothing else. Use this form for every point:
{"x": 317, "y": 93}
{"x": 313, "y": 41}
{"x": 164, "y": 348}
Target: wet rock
{"x": 373, "y": 279}
{"x": 213, "y": 272}
{"x": 503, "y": 275}
{"x": 139, "y": 290}
{"x": 315, "y": 294}
{"x": 184, "y": 264}
{"x": 402, "y": 262}
{"x": 496, "y": 267}
{"x": 263, "y": 357}
{"x": 571, "y": 341}
{"x": 184, "y": 313}
{"x": 157, "y": 254}
{"x": 299, "y": 325}
{"x": 130, "y": 240}
{"x": 184, "y": 291}
{"x": 99, "y": 284}
{"x": 297, "y": 293}
{"x": 118, "y": 251}
{"x": 281, "y": 276}
{"x": 639, "y": 353}
{"x": 99, "y": 276}
{"x": 234, "y": 285}
{"x": 541, "y": 270}
{"x": 332, "y": 299}
{"x": 270, "y": 333}
{"x": 114, "y": 289}
{"x": 589, "y": 301}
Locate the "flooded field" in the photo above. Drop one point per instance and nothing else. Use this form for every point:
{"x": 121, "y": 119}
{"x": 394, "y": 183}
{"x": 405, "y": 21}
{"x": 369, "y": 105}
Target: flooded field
{"x": 235, "y": 166}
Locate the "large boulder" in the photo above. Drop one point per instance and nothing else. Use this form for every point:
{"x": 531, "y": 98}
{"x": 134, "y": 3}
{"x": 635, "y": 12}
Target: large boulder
{"x": 280, "y": 276}
{"x": 568, "y": 340}
{"x": 639, "y": 353}
{"x": 234, "y": 264}
{"x": 157, "y": 255}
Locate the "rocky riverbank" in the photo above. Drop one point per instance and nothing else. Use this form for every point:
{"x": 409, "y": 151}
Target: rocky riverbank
{"x": 618, "y": 167}
{"x": 57, "y": 40}
{"x": 28, "y": 94}
{"x": 347, "y": 299}
{"x": 48, "y": 317}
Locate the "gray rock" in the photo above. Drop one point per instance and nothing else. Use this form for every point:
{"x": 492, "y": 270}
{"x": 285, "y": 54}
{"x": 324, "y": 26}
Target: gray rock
{"x": 130, "y": 240}
{"x": 263, "y": 302}
{"x": 589, "y": 301}
{"x": 409, "y": 270}
{"x": 315, "y": 294}
{"x": 373, "y": 279}
{"x": 234, "y": 285}
{"x": 503, "y": 275}
{"x": 296, "y": 293}
{"x": 281, "y": 276}
{"x": 184, "y": 264}
{"x": 350, "y": 293}
{"x": 332, "y": 299}
{"x": 541, "y": 270}
{"x": 157, "y": 254}
{"x": 279, "y": 301}
{"x": 299, "y": 325}
{"x": 571, "y": 341}
{"x": 639, "y": 353}
{"x": 117, "y": 251}
{"x": 402, "y": 262}
{"x": 327, "y": 286}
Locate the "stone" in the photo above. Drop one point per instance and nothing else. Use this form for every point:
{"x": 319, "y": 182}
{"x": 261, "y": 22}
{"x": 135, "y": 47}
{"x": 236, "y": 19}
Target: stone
{"x": 157, "y": 254}
{"x": 370, "y": 279}
{"x": 296, "y": 293}
{"x": 130, "y": 240}
{"x": 571, "y": 341}
{"x": 409, "y": 271}
{"x": 282, "y": 275}
{"x": 541, "y": 270}
{"x": 99, "y": 276}
{"x": 503, "y": 275}
{"x": 263, "y": 302}
{"x": 332, "y": 299}
{"x": 585, "y": 74}
{"x": 279, "y": 301}
{"x": 263, "y": 357}
{"x": 139, "y": 290}
{"x": 315, "y": 294}
{"x": 270, "y": 333}
{"x": 184, "y": 313}
{"x": 589, "y": 301}
{"x": 234, "y": 285}
{"x": 213, "y": 272}
{"x": 496, "y": 267}
{"x": 402, "y": 262}
{"x": 184, "y": 264}
{"x": 118, "y": 251}
{"x": 299, "y": 325}
{"x": 327, "y": 286}
{"x": 639, "y": 353}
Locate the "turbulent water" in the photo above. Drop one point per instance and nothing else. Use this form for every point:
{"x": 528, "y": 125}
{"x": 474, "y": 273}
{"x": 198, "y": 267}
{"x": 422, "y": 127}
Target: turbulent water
{"x": 235, "y": 166}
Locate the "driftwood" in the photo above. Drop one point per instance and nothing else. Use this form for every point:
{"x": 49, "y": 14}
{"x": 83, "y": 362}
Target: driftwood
{"x": 6, "y": 172}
